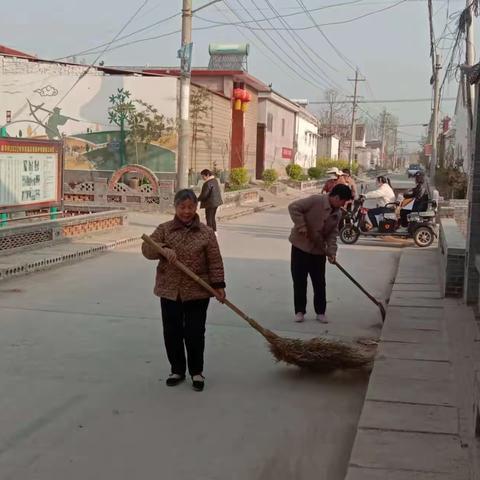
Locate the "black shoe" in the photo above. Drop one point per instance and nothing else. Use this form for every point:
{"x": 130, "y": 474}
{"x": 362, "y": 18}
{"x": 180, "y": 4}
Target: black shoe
{"x": 198, "y": 385}
{"x": 174, "y": 379}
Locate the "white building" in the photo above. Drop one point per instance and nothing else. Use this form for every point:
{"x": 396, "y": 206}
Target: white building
{"x": 328, "y": 146}
{"x": 306, "y": 138}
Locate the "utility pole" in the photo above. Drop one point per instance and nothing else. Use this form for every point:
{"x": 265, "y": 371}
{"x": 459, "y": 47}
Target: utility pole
{"x": 470, "y": 89}
{"x": 354, "y": 111}
{"x": 435, "y": 113}
{"x": 384, "y": 128}
{"x": 185, "y": 54}
{"x": 471, "y": 277}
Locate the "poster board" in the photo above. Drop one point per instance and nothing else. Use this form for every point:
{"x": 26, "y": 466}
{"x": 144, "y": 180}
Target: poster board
{"x": 31, "y": 174}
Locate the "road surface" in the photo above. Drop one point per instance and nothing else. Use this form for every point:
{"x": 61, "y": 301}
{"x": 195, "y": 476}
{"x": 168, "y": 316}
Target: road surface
{"x": 83, "y": 370}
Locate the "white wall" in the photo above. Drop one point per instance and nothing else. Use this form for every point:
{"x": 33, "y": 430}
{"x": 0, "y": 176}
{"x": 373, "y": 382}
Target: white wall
{"x": 306, "y": 136}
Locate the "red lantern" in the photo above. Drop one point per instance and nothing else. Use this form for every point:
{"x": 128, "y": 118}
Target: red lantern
{"x": 238, "y": 93}
{"x": 248, "y": 96}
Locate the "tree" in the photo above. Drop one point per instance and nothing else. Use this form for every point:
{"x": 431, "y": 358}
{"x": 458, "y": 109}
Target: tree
{"x": 335, "y": 117}
{"x": 200, "y": 107}
{"x": 146, "y": 124}
{"x": 119, "y": 112}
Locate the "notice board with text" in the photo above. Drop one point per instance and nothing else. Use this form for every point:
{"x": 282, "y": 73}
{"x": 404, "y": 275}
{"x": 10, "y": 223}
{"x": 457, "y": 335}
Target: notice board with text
{"x": 31, "y": 174}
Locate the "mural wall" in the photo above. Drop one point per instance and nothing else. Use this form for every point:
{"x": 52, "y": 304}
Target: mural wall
{"x": 106, "y": 121}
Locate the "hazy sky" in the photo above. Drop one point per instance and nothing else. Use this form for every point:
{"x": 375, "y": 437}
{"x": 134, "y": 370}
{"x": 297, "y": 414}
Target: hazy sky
{"x": 391, "y": 48}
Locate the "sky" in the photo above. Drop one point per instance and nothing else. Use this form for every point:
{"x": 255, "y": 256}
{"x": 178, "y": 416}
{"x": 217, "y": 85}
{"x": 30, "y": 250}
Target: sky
{"x": 390, "y": 48}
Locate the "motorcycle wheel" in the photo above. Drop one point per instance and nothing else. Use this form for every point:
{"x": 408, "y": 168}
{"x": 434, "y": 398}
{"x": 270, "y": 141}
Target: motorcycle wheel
{"x": 423, "y": 237}
{"x": 349, "y": 234}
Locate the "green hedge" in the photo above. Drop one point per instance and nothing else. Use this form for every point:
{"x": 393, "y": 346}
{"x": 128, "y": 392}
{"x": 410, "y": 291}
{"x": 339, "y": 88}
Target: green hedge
{"x": 239, "y": 177}
{"x": 269, "y": 176}
{"x": 324, "y": 164}
{"x": 295, "y": 172}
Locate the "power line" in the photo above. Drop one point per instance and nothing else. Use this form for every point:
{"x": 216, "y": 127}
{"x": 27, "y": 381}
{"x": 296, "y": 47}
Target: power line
{"x": 278, "y": 17}
{"x": 392, "y": 100}
{"x": 303, "y": 46}
{"x": 85, "y": 72}
{"x": 282, "y": 60}
{"x": 140, "y": 30}
{"x": 260, "y": 48}
{"x": 339, "y": 53}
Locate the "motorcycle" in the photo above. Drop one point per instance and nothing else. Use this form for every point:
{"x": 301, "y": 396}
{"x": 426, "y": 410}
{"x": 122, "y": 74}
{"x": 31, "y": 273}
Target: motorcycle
{"x": 420, "y": 227}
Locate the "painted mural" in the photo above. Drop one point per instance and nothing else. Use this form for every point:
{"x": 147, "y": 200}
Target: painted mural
{"x": 105, "y": 121}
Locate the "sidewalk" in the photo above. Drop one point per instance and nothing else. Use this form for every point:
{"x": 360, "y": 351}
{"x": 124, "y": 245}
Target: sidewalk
{"x": 410, "y": 425}
{"x": 77, "y": 249}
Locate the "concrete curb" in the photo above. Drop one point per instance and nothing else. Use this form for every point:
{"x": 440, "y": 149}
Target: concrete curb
{"x": 408, "y": 427}
{"x": 246, "y": 211}
{"x": 53, "y": 260}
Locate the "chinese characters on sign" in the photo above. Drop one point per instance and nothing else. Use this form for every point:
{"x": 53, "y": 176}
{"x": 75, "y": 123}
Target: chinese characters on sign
{"x": 28, "y": 175}
{"x": 287, "y": 153}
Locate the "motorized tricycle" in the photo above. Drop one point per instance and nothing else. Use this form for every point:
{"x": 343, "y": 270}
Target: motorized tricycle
{"x": 419, "y": 225}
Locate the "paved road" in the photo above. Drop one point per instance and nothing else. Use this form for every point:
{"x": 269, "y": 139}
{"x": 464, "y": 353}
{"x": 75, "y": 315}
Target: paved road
{"x": 83, "y": 369}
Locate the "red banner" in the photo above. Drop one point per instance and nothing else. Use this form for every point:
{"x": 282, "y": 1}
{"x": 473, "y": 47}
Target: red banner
{"x": 287, "y": 153}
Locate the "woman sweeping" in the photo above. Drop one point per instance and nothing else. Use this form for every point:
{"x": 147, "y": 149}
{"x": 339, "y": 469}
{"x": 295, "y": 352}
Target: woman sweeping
{"x": 183, "y": 302}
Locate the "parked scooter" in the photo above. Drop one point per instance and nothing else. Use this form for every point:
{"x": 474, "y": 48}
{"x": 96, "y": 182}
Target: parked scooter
{"x": 420, "y": 227}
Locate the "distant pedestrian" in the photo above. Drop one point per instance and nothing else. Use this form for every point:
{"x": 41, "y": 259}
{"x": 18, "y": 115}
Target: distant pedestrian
{"x": 210, "y": 197}
{"x": 350, "y": 181}
{"x": 183, "y": 302}
{"x": 314, "y": 239}
{"x": 336, "y": 179}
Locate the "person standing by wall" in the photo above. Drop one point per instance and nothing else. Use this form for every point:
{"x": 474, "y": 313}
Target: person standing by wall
{"x": 314, "y": 239}
{"x": 210, "y": 198}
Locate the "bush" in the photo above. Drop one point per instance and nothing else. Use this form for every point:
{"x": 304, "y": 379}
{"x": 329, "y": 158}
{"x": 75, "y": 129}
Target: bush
{"x": 269, "y": 176}
{"x": 239, "y": 177}
{"x": 324, "y": 164}
{"x": 451, "y": 182}
{"x": 315, "y": 172}
{"x": 294, "y": 171}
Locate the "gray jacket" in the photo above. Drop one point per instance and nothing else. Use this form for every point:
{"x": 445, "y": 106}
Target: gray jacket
{"x": 321, "y": 221}
{"x": 210, "y": 196}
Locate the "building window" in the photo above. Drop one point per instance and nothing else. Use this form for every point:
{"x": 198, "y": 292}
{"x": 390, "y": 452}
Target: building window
{"x": 270, "y": 122}
{"x": 283, "y": 127}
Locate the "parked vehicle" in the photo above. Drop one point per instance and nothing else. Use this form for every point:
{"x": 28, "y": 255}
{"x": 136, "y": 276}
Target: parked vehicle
{"x": 413, "y": 169}
{"x": 421, "y": 225}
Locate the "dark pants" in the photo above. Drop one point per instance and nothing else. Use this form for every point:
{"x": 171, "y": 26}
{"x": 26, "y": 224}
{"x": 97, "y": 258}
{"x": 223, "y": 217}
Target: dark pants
{"x": 184, "y": 326}
{"x": 210, "y": 216}
{"x": 373, "y": 212}
{"x": 302, "y": 265}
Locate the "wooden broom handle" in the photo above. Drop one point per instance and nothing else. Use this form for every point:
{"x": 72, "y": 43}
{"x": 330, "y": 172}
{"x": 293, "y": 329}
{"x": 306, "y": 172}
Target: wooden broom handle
{"x": 200, "y": 281}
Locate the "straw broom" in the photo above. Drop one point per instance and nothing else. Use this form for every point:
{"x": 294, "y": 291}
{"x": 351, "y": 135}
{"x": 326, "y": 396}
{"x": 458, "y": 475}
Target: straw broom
{"x": 318, "y": 354}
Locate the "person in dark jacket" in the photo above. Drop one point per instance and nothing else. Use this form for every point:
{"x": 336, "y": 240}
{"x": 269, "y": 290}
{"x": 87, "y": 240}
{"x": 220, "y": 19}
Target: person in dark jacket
{"x": 210, "y": 198}
{"x": 183, "y": 301}
{"x": 314, "y": 239}
{"x": 420, "y": 194}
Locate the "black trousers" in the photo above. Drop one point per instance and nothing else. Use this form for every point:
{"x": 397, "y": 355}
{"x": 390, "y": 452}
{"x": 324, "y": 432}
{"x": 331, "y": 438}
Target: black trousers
{"x": 302, "y": 265}
{"x": 184, "y": 327}
{"x": 373, "y": 212}
{"x": 210, "y": 216}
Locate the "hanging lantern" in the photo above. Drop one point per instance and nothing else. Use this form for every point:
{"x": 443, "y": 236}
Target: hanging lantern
{"x": 244, "y": 107}
{"x": 238, "y": 93}
{"x": 238, "y": 104}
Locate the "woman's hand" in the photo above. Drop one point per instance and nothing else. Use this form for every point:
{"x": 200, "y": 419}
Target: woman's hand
{"x": 220, "y": 294}
{"x": 303, "y": 231}
{"x": 170, "y": 255}
{"x": 332, "y": 259}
